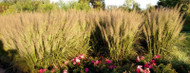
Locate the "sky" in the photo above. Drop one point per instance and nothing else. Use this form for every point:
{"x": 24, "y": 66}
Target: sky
{"x": 143, "y": 3}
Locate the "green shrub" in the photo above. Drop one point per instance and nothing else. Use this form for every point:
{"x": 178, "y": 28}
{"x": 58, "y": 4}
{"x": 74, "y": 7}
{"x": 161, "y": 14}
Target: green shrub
{"x": 164, "y": 69}
{"x": 46, "y": 7}
{"x": 74, "y": 5}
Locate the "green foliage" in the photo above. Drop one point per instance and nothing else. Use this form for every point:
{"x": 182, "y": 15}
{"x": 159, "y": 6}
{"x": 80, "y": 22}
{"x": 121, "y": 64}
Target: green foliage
{"x": 98, "y": 4}
{"x": 74, "y": 5}
{"x": 187, "y": 42}
{"x": 161, "y": 68}
{"x": 3, "y": 7}
{"x": 169, "y": 3}
{"x": 130, "y": 5}
{"x": 181, "y": 67}
{"x": 30, "y": 6}
{"x": 34, "y": 6}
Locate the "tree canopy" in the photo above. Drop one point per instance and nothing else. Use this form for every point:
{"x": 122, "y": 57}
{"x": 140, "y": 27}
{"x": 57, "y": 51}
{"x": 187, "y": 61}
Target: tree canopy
{"x": 173, "y": 3}
{"x": 95, "y": 3}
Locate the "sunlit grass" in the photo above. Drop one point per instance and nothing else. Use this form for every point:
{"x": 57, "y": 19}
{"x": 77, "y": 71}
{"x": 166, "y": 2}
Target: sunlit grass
{"x": 162, "y": 31}
{"x": 120, "y": 29}
{"x": 44, "y": 39}
{"x": 51, "y": 38}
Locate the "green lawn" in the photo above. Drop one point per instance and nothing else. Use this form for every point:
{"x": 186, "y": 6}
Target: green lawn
{"x": 186, "y": 30}
{"x": 187, "y": 43}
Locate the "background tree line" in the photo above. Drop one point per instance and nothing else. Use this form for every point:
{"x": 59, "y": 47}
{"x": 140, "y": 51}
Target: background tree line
{"x": 11, "y": 6}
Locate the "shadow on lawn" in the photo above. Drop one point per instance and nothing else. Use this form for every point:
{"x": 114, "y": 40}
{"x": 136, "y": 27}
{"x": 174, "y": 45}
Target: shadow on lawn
{"x": 179, "y": 66}
{"x": 7, "y": 60}
{"x": 182, "y": 67}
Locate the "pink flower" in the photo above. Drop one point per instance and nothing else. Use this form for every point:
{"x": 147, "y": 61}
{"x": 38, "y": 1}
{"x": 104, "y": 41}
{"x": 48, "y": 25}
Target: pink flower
{"x": 74, "y": 63}
{"x": 53, "y": 70}
{"x": 77, "y": 59}
{"x": 64, "y": 71}
{"x": 42, "y": 70}
{"x": 108, "y": 61}
{"x": 148, "y": 65}
{"x": 153, "y": 64}
{"x": 96, "y": 62}
{"x": 73, "y": 60}
{"x": 139, "y": 69}
{"x": 142, "y": 57}
{"x": 111, "y": 66}
{"x": 78, "y": 63}
{"x": 56, "y": 67}
{"x": 66, "y": 62}
{"x": 81, "y": 56}
{"x": 86, "y": 70}
{"x": 147, "y": 70}
{"x": 138, "y": 59}
{"x": 92, "y": 61}
{"x": 156, "y": 56}
{"x": 153, "y": 61}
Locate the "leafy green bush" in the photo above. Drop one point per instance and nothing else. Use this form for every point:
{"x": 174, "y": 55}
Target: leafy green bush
{"x": 164, "y": 69}
{"x": 74, "y": 5}
{"x": 29, "y": 6}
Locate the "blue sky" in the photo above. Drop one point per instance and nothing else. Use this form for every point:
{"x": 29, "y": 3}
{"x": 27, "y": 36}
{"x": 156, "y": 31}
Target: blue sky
{"x": 143, "y": 3}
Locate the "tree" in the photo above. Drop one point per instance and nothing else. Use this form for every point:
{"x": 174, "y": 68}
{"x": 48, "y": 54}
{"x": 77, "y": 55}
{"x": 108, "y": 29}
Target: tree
{"x": 130, "y": 5}
{"x": 95, "y": 3}
{"x": 173, "y": 3}
{"x": 15, "y": 1}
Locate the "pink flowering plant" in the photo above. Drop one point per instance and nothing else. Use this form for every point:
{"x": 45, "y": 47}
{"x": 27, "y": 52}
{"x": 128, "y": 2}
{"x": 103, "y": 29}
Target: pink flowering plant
{"x": 88, "y": 65}
{"x": 85, "y": 64}
{"x": 144, "y": 65}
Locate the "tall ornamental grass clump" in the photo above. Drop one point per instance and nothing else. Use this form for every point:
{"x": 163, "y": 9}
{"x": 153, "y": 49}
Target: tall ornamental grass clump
{"x": 44, "y": 39}
{"x": 162, "y": 29}
{"x": 120, "y": 29}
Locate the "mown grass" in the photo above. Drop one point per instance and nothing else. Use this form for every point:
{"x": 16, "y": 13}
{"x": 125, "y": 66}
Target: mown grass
{"x": 187, "y": 42}
{"x": 186, "y": 30}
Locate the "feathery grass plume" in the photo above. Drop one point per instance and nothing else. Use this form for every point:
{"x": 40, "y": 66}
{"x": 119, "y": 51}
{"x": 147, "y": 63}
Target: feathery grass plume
{"x": 162, "y": 30}
{"x": 46, "y": 38}
{"x": 120, "y": 30}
